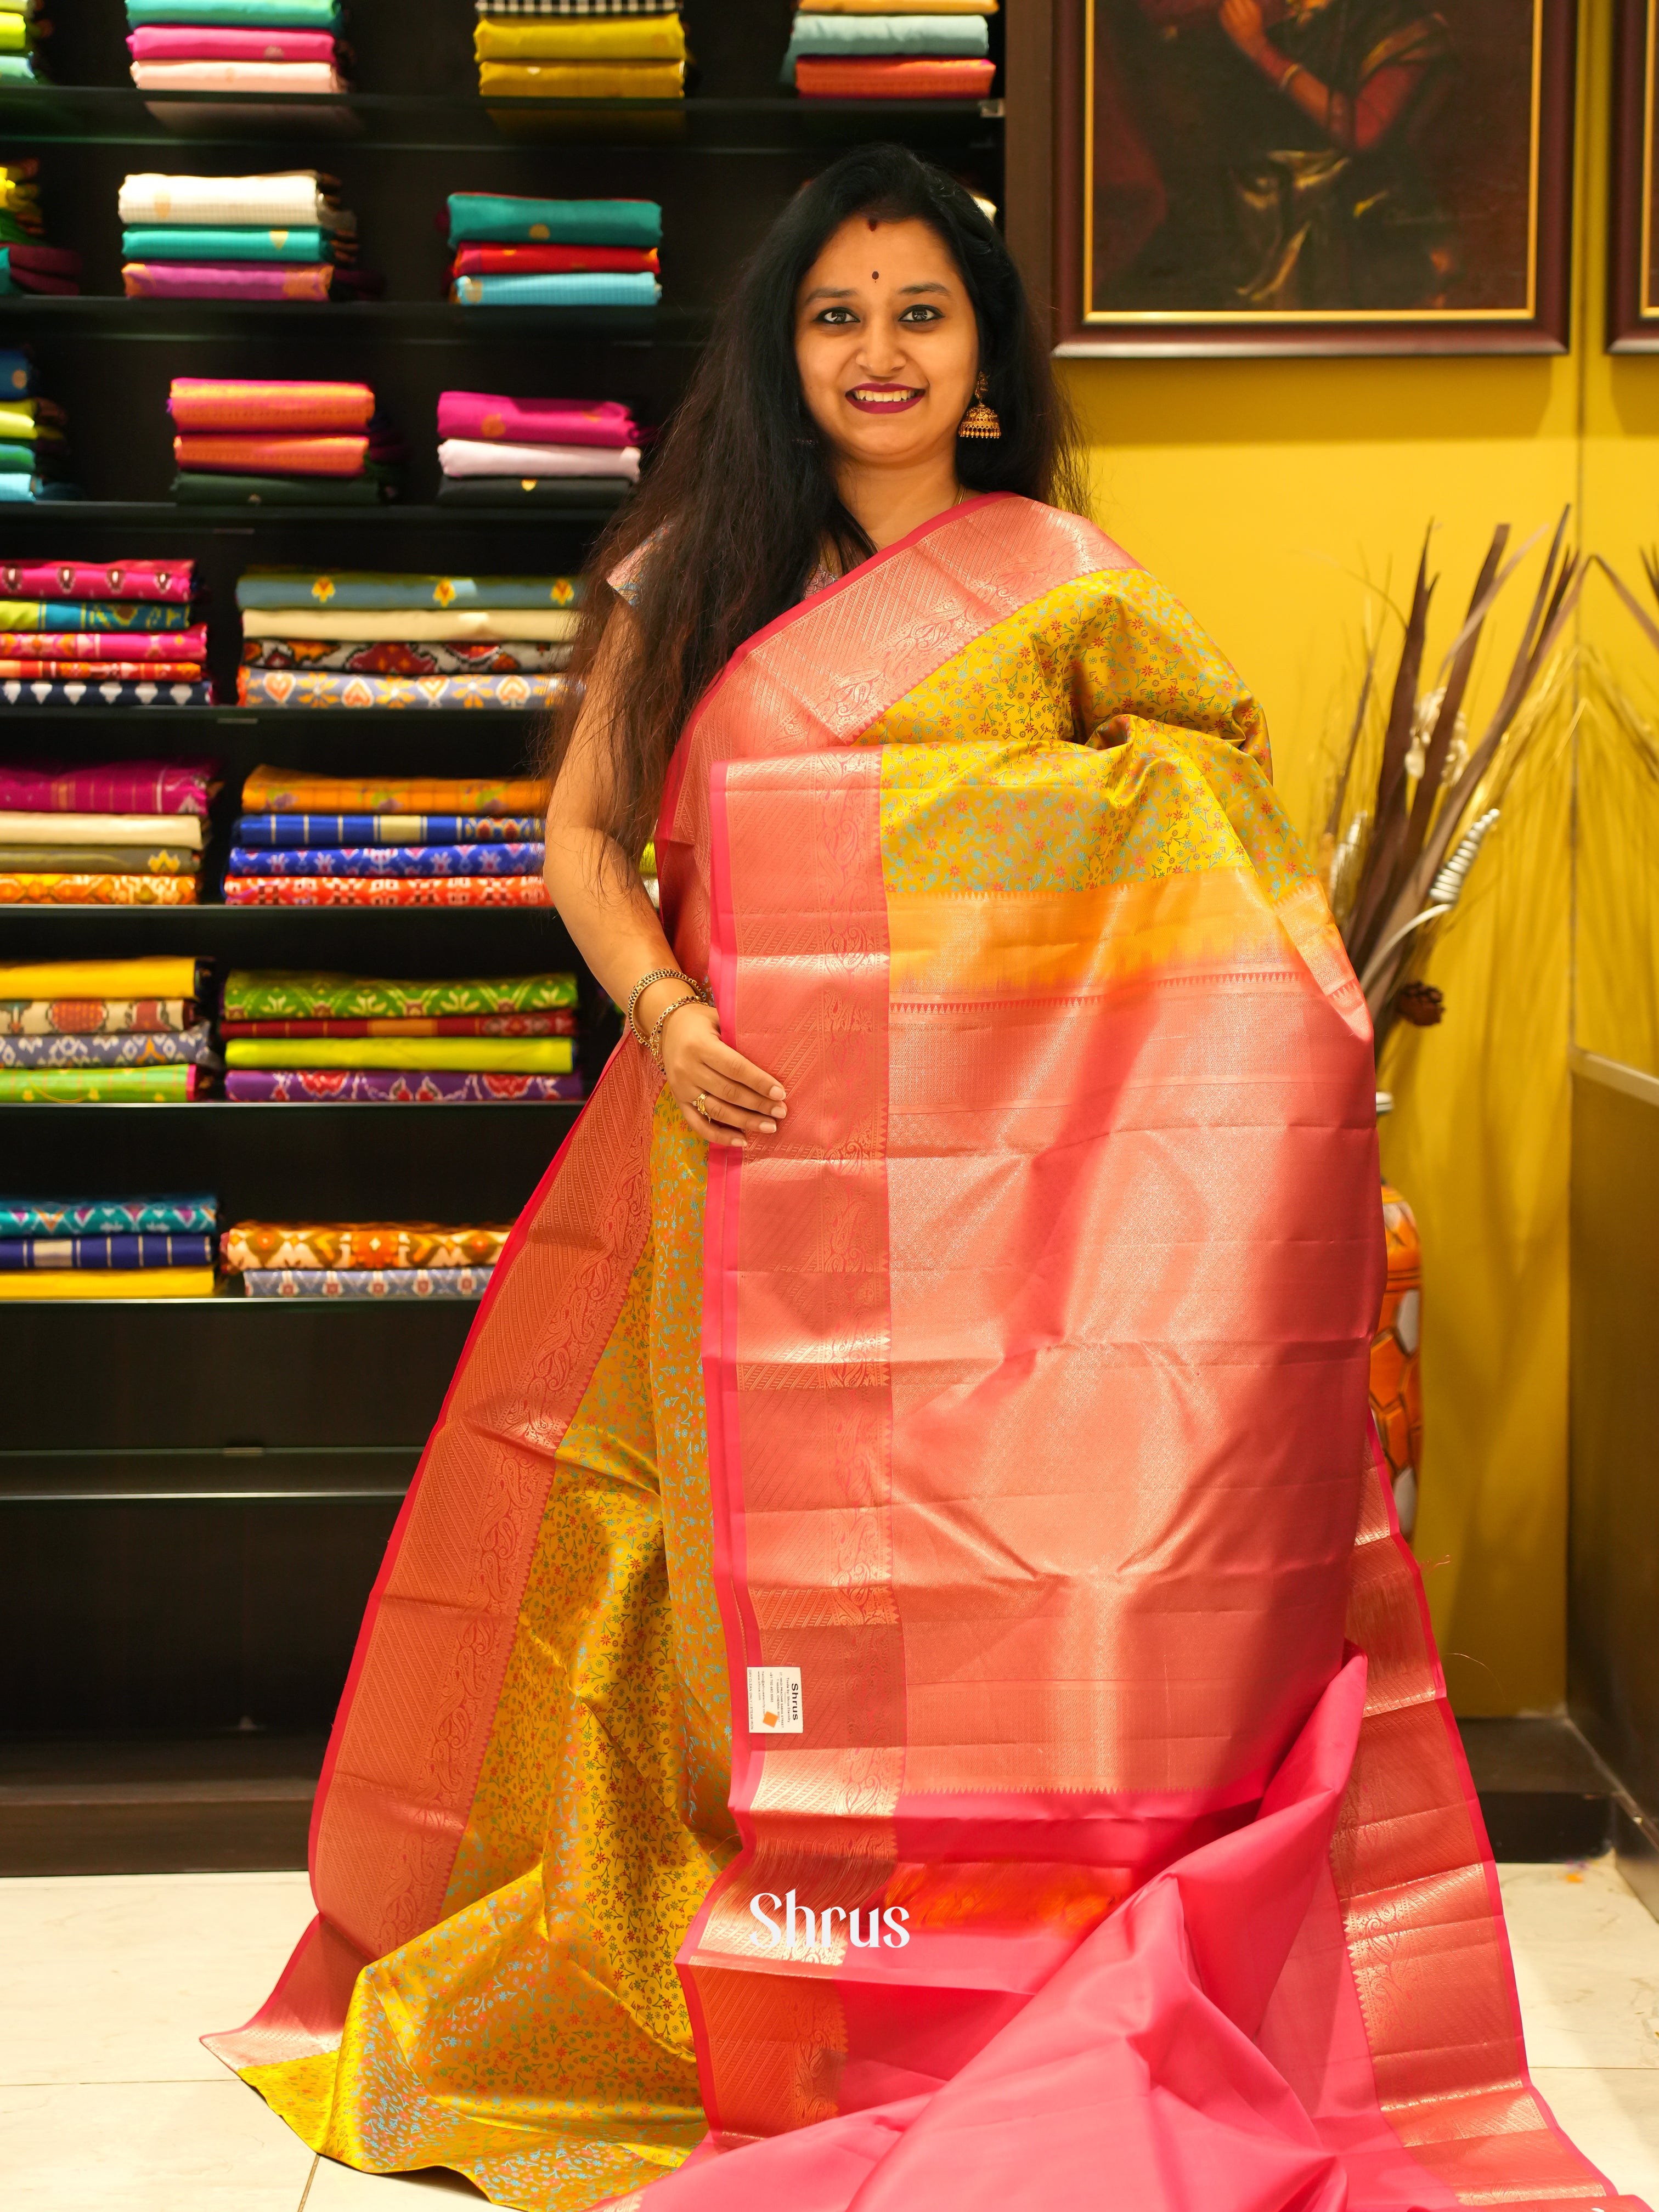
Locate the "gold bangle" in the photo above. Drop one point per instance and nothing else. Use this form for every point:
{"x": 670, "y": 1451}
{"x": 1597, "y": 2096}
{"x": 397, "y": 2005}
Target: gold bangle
{"x": 657, "y": 975}
{"x": 693, "y": 998}
{"x": 1295, "y": 69}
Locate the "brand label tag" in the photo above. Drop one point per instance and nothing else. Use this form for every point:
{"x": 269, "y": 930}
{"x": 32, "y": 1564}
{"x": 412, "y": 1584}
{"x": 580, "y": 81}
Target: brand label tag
{"x": 774, "y": 1701}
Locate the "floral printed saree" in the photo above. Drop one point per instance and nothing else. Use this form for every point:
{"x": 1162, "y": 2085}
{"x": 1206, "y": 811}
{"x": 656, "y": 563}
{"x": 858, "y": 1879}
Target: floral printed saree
{"x": 896, "y": 1684}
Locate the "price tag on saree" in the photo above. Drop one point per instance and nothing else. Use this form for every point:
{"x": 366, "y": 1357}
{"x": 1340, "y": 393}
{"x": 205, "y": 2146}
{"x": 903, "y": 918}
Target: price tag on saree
{"x": 774, "y": 1701}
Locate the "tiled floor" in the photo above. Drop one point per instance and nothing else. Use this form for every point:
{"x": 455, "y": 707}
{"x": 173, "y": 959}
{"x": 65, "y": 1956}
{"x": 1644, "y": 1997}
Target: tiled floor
{"x": 106, "y": 2098}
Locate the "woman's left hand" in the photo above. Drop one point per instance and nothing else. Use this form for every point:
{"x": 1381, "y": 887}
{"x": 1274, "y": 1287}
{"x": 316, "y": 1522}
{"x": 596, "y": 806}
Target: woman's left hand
{"x": 1242, "y": 21}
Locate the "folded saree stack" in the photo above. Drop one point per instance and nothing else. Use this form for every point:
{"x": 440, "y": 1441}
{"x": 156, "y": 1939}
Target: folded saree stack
{"x": 85, "y": 633}
{"x": 353, "y": 639}
{"x": 234, "y": 46}
{"x": 553, "y": 253}
{"x": 868, "y": 50}
{"x": 254, "y": 441}
{"x": 33, "y": 440}
{"x": 107, "y": 1247}
{"x": 323, "y": 1038}
{"x": 362, "y": 1258}
{"x": 600, "y": 49}
{"x": 22, "y": 25}
{"x": 128, "y": 834}
{"x": 27, "y": 263}
{"x": 101, "y": 1032}
{"x": 278, "y": 237}
{"x": 448, "y": 840}
{"x": 562, "y": 453}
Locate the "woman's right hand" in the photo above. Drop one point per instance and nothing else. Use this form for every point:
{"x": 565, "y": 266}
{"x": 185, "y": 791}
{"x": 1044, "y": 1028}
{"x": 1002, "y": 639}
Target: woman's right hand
{"x": 724, "y": 1097}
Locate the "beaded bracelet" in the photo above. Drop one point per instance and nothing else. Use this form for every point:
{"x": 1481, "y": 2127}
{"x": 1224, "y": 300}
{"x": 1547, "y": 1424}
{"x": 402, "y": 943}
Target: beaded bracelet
{"x": 693, "y": 998}
{"x": 657, "y": 975}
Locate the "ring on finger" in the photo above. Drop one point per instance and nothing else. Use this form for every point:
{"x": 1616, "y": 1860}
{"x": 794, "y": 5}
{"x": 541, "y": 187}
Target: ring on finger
{"x": 700, "y": 1105}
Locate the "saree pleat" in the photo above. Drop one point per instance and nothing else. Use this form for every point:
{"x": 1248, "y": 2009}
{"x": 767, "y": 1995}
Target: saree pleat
{"x": 1008, "y": 1409}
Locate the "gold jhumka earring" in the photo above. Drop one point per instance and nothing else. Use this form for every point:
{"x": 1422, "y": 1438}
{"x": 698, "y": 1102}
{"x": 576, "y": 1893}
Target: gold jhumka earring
{"x": 981, "y": 421}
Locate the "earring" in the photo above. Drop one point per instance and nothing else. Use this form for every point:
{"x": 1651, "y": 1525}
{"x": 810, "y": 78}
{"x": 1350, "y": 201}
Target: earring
{"x": 980, "y": 420}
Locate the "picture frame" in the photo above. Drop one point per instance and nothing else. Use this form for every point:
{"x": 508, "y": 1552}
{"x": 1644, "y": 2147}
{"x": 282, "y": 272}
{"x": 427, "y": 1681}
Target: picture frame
{"x": 1201, "y": 209}
{"x": 1633, "y": 209}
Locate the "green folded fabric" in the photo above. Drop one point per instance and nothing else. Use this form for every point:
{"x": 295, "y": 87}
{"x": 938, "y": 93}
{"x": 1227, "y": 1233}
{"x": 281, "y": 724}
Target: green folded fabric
{"x": 257, "y": 15}
{"x": 183, "y": 242}
{"x": 504, "y": 221}
{"x": 17, "y": 460}
{"x": 583, "y": 492}
{"x": 254, "y": 994}
{"x": 66, "y": 1086}
{"x": 485, "y": 1055}
{"x": 206, "y": 488}
{"x": 17, "y": 69}
{"x": 372, "y": 591}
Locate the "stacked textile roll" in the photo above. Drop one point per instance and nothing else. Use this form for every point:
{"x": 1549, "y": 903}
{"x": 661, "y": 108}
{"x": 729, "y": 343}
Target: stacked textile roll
{"x": 435, "y": 840}
{"x": 865, "y": 50}
{"x": 559, "y": 452}
{"x": 553, "y": 253}
{"x": 352, "y": 639}
{"x": 362, "y": 1258}
{"x": 126, "y": 834}
{"x": 234, "y": 46}
{"x": 253, "y": 442}
{"x": 27, "y": 263}
{"x": 22, "y": 29}
{"x": 597, "y": 49}
{"x": 92, "y": 1031}
{"x": 85, "y": 633}
{"x": 363, "y": 1039}
{"x": 107, "y": 1247}
{"x": 282, "y": 237}
{"x": 34, "y": 440}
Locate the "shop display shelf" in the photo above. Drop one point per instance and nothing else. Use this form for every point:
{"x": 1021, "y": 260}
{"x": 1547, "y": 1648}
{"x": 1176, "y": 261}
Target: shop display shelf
{"x": 404, "y": 322}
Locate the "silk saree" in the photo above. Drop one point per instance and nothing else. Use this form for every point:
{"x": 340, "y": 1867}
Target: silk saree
{"x": 896, "y": 1683}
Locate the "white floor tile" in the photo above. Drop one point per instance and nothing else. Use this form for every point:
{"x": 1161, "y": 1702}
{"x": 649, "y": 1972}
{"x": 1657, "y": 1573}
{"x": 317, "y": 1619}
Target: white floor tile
{"x": 160, "y": 2147}
{"x": 114, "y": 1977}
{"x": 1611, "y": 2113}
{"x": 1586, "y": 1964}
{"x": 340, "y": 2189}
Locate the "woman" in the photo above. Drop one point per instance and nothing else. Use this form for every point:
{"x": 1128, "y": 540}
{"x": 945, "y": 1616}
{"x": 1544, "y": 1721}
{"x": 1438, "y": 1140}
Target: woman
{"x": 857, "y": 1707}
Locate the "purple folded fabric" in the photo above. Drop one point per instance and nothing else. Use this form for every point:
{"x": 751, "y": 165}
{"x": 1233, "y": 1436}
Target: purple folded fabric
{"x": 202, "y": 42}
{"x": 239, "y": 280}
{"x": 396, "y": 1087}
{"x": 535, "y": 421}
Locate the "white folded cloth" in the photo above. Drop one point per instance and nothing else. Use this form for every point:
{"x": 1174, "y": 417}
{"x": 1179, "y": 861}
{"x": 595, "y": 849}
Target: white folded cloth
{"x": 414, "y": 625}
{"x": 181, "y": 830}
{"x": 294, "y": 199}
{"x": 237, "y": 76}
{"x": 487, "y": 456}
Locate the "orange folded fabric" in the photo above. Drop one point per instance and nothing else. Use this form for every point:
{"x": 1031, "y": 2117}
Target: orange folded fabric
{"x": 267, "y": 404}
{"x": 248, "y": 454}
{"x": 817, "y": 78}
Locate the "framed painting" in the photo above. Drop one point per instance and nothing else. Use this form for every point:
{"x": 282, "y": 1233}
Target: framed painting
{"x": 1313, "y": 176}
{"x": 1633, "y": 248}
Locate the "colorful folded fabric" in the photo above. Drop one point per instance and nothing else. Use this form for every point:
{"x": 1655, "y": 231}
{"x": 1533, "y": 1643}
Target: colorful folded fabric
{"x": 547, "y": 261}
{"x": 361, "y": 1244}
{"x": 366, "y": 1283}
{"x": 566, "y": 493}
{"x": 444, "y": 1025}
{"x": 278, "y": 687}
{"x": 490, "y": 859}
{"x": 91, "y": 1086}
{"x": 16, "y": 372}
{"x": 422, "y": 626}
{"x": 959, "y": 37}
{"x": 643, "y": 38}
{"x": 578, "y": 290}
{"x": 250, "y": 279}
{"x": 39, "y": 269}
{"x": 207, "y": 75}
{"x": 45, "y": 1018}
{"x": 497, "y": 219}
{"x": 151, "y": 1248}
{"x": 98, "y": 860}
{"x": 486, "y": 457}
{"x": 169, "y": 42}
{"x": 583, "y": 80}
{"x": 489, "y": 417}
{"x": 821, "y": 79}
{"x": 295, "y": 199}
{"x": 138, "y": 786}
{"x": 255, "y": 994}
{"x": 17, "y": 694}
{"x": 288, "y": 791}
{"x": 512, "y": 1055}
{"x": 73, "y": 615}
{"x": 362, "y": 890}
{"x": 123, "y": 646}
{"x": 91, "y": 890}
{"x": 266, "y": 589}
{"x": 389, "y": 1087}
{"x": 262, "y": 406}
{"x": 104, "y": 1216}
{"x": 118, "y": 1283}
{"x": 257, "y": 15}
{"x": 280, "y": 454}
{"x": 109, "y": 979}
{"x": 911, "y": 6}
{"x": 199, "y": 243}
{"x": 214, "y": 489}
{"x": 369, "y": 657}
{"x": 30, "y": 419}
{"x": 103, "y": 671}
{"x": 82, "y": 580}
{"x": 578, "y": 7}
{"x": 292, "y": 831}
{"x": 192, "y": 1047}
{"x": 15, "y": 489}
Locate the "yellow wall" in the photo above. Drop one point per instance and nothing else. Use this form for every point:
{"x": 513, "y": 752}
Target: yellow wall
{"x": 1263, "y": 493}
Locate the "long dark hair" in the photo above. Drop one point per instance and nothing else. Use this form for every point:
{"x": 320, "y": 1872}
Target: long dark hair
{"x": 741, "y": 495}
